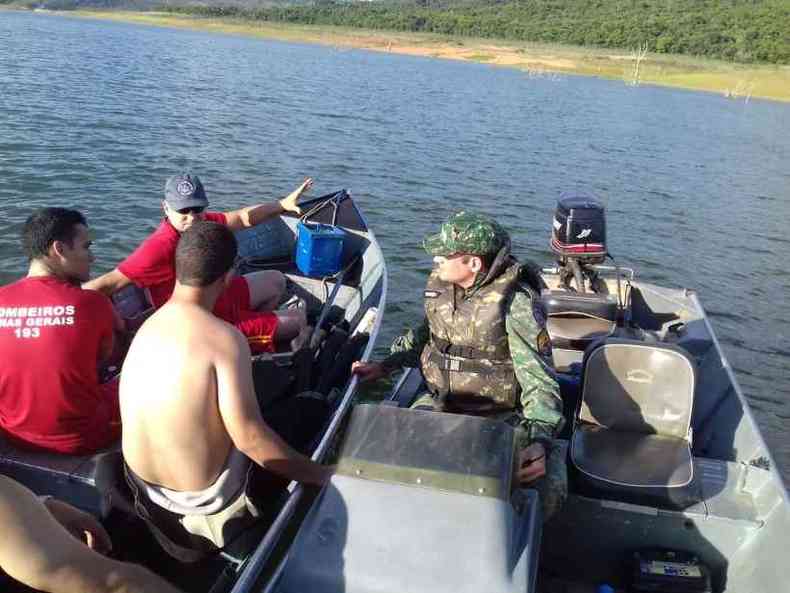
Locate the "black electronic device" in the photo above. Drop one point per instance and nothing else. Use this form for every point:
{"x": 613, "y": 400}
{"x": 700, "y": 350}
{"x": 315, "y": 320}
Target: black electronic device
{"x": 668, "y": 571}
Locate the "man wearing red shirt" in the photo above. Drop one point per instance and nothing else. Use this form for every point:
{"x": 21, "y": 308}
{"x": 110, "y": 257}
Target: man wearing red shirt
{"x": 53, "y": 335}
{"x": 248, "y": 300}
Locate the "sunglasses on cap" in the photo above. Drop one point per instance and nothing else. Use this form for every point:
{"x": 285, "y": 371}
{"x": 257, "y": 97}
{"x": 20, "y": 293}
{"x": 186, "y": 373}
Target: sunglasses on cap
{"x": 191, "y": 210}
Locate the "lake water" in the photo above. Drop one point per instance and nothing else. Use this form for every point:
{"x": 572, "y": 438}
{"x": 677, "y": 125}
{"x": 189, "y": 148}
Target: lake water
{"x": 97, "y": 114}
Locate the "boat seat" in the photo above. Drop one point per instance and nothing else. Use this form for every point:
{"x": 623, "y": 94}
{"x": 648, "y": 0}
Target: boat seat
{"x": 134, "y": 306}
{"x": 85, "y": 481}
{"x": 632, "y": 433}
{"x": 574, "y": 321}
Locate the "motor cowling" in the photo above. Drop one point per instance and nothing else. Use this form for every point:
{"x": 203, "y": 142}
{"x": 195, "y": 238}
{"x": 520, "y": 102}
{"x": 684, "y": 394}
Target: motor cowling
{"x": 579, "y": 229}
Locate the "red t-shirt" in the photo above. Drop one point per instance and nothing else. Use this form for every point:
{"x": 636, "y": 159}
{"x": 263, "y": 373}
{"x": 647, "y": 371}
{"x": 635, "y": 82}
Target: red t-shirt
{"x": 50, "y": 337}
{"x": 153, "y": 264}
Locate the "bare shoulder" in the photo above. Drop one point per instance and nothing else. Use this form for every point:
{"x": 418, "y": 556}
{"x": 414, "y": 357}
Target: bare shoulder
{"x": 229, "y": 340}
{"x": 196, "y": 327}
{"x": 9, "y": 487}
{"x": 231, "y": 358}
{"x": 12, "y": 494}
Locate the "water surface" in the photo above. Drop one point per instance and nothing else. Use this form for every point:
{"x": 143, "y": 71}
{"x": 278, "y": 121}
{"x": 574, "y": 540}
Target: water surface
{"x": 97, "y": 114}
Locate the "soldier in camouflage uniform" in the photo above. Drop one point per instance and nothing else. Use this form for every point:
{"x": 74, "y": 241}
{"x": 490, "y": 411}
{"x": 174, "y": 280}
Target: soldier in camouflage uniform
{"x": 478, "y": 349}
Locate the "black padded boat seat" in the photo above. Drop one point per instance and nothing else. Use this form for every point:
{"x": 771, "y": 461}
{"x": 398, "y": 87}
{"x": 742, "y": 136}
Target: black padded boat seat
{"x": 86, "y": 481}
{"x": 574, "y": 321}
{"x": 633, "y": 429}
{"x": 559, "y": 303}
{"x": 133, "y": 304}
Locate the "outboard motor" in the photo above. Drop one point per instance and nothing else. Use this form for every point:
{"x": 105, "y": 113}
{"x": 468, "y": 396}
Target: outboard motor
{"x": 582, "y": 311}
{"x": 579, "y": 241}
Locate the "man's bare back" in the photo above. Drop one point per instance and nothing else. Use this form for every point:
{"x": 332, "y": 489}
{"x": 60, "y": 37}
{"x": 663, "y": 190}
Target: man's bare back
{"x": 173, "y": 432}
{"x": 187, "y": 396}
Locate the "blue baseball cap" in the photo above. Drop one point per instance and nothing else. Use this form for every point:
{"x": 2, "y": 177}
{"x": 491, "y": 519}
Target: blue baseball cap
{"x": 185, "y": 191}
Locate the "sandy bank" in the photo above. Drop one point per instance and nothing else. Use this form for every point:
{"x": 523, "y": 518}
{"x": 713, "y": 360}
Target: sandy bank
{"x": 739, "y": 82}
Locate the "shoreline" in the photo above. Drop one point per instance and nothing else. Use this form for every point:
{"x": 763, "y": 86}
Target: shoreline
{"x": 736, "y": 81}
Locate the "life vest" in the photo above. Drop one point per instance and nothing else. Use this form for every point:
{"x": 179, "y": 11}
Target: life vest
{"x": 467, "y": 363}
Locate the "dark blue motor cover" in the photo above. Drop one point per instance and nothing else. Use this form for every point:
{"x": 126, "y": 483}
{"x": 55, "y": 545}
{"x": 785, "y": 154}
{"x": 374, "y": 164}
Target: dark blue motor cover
{"x": 579, "y": 228}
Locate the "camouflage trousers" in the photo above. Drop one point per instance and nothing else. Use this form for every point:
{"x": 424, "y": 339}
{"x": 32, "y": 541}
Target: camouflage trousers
{"x": 552, "y": 488}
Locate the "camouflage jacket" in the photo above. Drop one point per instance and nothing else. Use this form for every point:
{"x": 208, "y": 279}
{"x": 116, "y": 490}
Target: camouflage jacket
{"x": 540, "y": 405}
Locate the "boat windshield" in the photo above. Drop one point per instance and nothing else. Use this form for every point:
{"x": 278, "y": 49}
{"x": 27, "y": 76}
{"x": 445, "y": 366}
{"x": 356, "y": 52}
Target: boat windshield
{"x": 429, "y": 449}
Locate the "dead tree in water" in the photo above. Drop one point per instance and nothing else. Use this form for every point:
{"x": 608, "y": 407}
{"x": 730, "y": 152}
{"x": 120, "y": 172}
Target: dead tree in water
{"x": 637, "y": 56}
{"x": 742, "y": 89}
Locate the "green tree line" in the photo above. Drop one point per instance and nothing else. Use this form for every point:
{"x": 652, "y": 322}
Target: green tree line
{"x": 735, "y": 30}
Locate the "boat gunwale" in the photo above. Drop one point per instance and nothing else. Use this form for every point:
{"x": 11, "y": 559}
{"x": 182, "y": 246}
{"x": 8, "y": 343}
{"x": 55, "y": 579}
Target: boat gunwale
{"x": 760, "y": 444}
{"x": 255, "y": 564}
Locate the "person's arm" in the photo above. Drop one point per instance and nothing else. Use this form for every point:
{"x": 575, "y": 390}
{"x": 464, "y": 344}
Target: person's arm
{"x": 241, "y": 415}
{"x": 252, "y": 215}
{"x": 107, "y": 317}
{"x": 80, "y": 524}
{"x": 109, "y": 283}
{"x": 38, "y": 552}
{"x": 541, "y": 403}
{"x": 404, "y": 352}
{"x": 406, "y": 349}
{"x": 150, "y": 264}
{"x": 106, "y": 348}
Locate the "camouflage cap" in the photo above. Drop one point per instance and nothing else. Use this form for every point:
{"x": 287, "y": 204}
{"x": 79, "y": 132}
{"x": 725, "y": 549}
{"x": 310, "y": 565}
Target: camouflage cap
{"x": 467, "y": 232}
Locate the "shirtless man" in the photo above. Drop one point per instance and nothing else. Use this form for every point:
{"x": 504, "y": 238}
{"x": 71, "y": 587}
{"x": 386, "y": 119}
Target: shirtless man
{"x": 192, "y": 425}
{"x": 40, "y": 550}
{"x": 248, "y": 300}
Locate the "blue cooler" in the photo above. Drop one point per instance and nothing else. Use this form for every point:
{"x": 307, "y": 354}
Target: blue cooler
{"x": 319, "y": 249}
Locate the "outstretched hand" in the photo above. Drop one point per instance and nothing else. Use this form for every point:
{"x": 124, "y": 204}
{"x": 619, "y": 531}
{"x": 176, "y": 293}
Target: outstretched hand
{"x": 328, "y": 472}
{"x": 81, "y": 525}
{"x": 289, "y": 202}
{"x": 368, "y": 371}
{"x": 531, "y": 464}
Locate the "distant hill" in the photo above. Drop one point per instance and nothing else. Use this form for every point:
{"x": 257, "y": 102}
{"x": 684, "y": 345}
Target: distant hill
{"x": 86, "y": 4}
{"x": 146, "y": 5}
{"x": 735, "y": 30}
